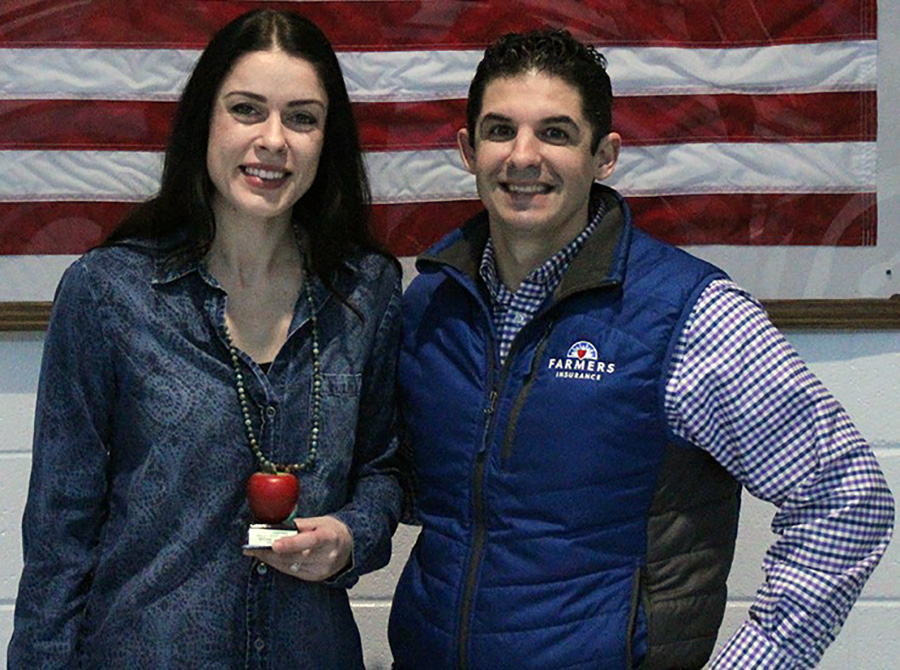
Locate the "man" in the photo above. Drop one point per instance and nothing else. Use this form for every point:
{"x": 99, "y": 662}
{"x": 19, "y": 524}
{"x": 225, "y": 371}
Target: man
{"x": 583, "y": 404}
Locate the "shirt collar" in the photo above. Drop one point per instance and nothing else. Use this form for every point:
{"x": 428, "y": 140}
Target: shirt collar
{"x": 176, "y": 264}
{"x": 548, "y": 274}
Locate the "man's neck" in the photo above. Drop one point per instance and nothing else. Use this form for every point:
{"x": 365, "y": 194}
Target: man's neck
{"x": 517, "y": 256}
{"x": 517, "y": 261}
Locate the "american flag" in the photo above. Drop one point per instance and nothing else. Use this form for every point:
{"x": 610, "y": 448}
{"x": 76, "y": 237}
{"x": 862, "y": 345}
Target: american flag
{"x": 744, "y": 122}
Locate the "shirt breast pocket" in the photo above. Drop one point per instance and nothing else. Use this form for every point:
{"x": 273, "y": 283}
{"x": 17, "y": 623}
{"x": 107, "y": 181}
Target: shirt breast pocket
{"x": 341, "y": 385}
{"x": 339, "y": 414}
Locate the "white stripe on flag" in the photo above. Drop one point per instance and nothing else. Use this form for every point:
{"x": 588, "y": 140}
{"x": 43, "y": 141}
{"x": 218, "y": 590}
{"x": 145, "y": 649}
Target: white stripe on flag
{"x": 418, "y": 176}
{"x": 682, "y": 169}
{"x": 94, "y": 74}
{"x": 421, "y": 176}
{"x": 79, "y": 175}
{"x": 794, "y": 68}
{"x": 408, "y": 76}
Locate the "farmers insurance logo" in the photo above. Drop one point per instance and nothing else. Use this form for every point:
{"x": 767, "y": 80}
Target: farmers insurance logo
{"x": 581, "y": 362}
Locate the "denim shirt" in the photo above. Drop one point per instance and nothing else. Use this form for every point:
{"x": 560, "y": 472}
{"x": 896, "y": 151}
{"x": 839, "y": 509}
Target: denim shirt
{"x": 136, "y": 510}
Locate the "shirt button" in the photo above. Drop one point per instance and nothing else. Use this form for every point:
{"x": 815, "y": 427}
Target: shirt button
{"x": 259, "y": 644}
{"x": 519, "y": 319}
{"x": 270, "y": 411}
{"x": 262, "y": 568}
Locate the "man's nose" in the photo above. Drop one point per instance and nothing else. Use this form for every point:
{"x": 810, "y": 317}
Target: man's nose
{"x": 525, "y": 151}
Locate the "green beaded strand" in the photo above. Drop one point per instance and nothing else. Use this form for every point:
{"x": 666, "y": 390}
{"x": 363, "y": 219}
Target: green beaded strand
{"x": 265, "y": 464}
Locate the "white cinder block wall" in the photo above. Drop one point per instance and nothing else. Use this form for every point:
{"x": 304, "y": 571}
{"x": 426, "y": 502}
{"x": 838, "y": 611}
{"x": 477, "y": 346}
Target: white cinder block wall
{"x": 861, "y": 369}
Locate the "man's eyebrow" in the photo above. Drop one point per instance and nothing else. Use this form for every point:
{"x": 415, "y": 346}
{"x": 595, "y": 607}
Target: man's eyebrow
{"x": 493, "y": 116}
{"x": 562, "y": 118}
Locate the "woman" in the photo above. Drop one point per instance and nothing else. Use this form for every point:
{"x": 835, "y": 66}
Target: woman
{"x": 240, "y": 321}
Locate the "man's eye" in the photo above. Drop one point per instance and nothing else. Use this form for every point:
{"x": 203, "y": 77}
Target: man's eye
{"x": 556, "y": 135}
{"x": 499, "y": 132}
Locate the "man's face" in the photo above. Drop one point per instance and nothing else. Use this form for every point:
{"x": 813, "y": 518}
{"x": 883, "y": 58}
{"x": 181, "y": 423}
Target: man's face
{"x": 532, "y": 159}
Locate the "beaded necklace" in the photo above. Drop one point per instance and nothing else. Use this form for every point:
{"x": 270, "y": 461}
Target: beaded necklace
{"x": 265, "y": 464}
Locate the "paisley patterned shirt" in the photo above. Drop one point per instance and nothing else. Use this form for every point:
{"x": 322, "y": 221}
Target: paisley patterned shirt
{"x": 136, "y": 511}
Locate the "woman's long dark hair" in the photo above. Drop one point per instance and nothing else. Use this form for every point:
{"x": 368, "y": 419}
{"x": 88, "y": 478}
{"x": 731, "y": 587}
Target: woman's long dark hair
{"x": 333, "y": 212}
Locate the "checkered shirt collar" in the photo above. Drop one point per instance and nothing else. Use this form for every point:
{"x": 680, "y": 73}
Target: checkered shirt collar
{"x": 544, "y": 279}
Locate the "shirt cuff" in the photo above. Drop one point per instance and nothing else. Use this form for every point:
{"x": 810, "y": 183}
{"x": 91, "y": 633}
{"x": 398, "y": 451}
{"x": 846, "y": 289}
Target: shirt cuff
{"x": 347, "y": 576}
{"x": 750, "y": 647}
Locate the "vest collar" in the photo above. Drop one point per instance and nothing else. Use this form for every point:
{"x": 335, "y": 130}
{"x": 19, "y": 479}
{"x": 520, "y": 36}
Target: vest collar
{"x": 601, "y": 262}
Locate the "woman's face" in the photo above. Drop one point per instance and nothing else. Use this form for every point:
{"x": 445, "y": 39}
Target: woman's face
{"x": 266, "y": 135}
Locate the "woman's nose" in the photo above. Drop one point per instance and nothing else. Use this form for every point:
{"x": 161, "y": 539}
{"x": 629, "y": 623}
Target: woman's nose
{"x": 273, "y": 137}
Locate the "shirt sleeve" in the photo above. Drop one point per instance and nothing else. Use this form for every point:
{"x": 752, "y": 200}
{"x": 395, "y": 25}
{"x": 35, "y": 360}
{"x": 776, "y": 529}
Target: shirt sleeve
{"x": 373, "y": 512}
{"x": 67, "y": 492}
{"x": 738, "y": 390}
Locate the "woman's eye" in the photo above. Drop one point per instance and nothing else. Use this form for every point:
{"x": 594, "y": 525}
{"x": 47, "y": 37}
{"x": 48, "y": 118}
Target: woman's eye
{"x": 244, "y": 109}
{"x": 302, "y": 120}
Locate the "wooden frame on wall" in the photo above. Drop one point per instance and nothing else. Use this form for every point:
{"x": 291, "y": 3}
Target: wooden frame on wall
{"x": 824, "y": 314}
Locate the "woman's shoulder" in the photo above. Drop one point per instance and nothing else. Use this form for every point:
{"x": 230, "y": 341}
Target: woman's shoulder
{"x": 129, "y": 263}
{"x": 98, "y": 283}
{"x": 372, "y": 265}
{"x": 116, "y": 258}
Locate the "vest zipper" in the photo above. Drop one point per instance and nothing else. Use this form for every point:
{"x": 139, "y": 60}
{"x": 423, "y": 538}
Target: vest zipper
{"x": 636, "y": 589}
{"x": 526, "y": 387}
{"x": 477, "y": 541}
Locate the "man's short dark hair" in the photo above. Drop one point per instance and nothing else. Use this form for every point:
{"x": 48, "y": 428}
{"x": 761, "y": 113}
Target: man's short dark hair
{"x": 555, "y": 53}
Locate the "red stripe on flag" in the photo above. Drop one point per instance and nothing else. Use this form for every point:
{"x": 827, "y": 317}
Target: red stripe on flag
{"x": 760, "y": 219}
{"x": 57, "y": 227}
{"x": 409, "y": 229}
{"x": 430, "y": 25}
{"x": 816, "y": 117}
{"x": 36, "y": 228}
{"x": 84, "y": 124}
{"x": 385, "y": 126}
{"x": 406, "y": 230}
{"x": 809, "y": 117}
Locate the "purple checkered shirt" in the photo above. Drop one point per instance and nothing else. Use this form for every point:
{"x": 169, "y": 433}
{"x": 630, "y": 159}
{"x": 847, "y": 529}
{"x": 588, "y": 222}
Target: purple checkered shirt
{"x": 739, "y": 391}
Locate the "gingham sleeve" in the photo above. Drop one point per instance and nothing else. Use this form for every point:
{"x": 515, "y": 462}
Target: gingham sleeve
{"x": 738, "y": 390}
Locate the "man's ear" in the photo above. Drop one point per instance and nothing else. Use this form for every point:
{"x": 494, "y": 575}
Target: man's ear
{"x": 466, "y": 150}
{"x": 607, "y": 156}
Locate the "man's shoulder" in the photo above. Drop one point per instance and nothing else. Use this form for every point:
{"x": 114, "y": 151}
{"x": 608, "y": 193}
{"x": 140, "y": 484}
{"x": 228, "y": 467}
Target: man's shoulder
{"x": 466, "y": 240}
{"x": 422, "y": 285}
{"x": 652, "y": 254}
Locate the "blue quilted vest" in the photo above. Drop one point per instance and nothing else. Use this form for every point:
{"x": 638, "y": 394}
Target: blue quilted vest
{"x": 562, "y": 524}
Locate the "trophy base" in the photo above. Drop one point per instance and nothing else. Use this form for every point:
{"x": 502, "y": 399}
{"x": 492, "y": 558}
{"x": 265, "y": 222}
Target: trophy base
{"x": 262, "y": 535}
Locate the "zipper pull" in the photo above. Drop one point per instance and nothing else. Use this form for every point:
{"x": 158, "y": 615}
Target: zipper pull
{"x": 492, "y": 404}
